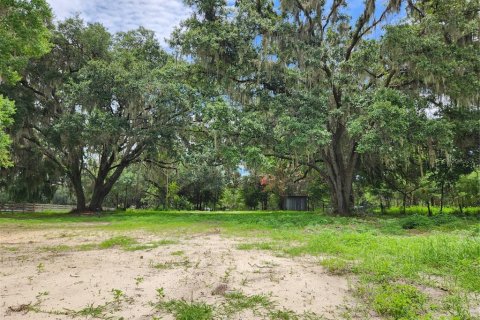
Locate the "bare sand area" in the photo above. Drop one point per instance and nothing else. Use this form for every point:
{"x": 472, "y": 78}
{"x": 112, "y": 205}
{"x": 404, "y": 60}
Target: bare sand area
{"x": 62, "y": 274}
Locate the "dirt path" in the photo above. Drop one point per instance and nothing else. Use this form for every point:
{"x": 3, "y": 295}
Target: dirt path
{"x": 43, "y": 283}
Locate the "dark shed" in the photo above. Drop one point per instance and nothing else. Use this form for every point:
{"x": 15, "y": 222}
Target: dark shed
{"x": 296, "y": 203}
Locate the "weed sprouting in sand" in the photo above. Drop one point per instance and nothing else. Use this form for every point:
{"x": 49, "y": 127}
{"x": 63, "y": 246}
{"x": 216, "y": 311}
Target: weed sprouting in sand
{"x": 183, "y": 310}
{"x": 138, "y": 280}
{"x": 237, "y": 301}
{"x": 40, "y": 268}
{"x": 160, "y": 293}
{"x": 93, "y": 311}
{"x": 117, "y": 295}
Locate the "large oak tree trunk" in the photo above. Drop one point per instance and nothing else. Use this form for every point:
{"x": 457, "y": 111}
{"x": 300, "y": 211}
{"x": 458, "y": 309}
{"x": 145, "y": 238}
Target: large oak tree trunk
{"x": 341, "y": 192}
{"x": 76, "y": 179}
{"x": 98, "y": 197}
{"x": 107, "y": 175}
{"x": 100, "y": 192}
{"x": 341, "y": 159}
{"x": 103, "y": 185}
{"x": 99, "y": 189}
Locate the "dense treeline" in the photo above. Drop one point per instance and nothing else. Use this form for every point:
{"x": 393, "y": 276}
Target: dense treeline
{"x": 359, "y": 110}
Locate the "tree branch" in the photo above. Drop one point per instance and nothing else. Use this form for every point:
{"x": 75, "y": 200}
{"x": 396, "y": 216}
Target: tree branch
{"x": 358, "y": 33}
{"x": 25, "y": 84}
{"x": 304, "y": 175}
{"x": 335, "y": 5}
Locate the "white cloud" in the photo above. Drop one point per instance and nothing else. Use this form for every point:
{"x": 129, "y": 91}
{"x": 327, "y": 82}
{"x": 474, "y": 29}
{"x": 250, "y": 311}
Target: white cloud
{"x": 160, "y": 16}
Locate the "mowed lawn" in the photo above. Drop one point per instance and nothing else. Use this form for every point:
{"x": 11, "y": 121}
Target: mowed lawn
{"x": 400, "y": 267}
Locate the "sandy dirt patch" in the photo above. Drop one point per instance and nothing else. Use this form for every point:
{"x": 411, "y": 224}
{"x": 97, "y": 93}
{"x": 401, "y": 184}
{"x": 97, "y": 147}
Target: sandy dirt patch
{"x": 38, "y": 282}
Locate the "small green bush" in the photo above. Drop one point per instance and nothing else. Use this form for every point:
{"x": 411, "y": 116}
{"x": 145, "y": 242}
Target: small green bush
{"x": 416, "y": 221}
{"x": 444, "y": 219}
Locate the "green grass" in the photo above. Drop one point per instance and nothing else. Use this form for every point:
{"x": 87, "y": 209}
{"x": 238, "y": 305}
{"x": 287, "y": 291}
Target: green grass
{"x": 183, "y": 310}
{"x": 336, "y": 266}
{"x": 257, "y": 246}
{"x": 453, "y": 256}
{"x": 123, "y": 242}
{"x": 399, "y": 301}
{"x": 120, "y": 241}
{"x": 149, "y": 245}
{"x": 91, "y": 311}
{"x": 441, "y": 251}
{"x": 171, "y": 264}
{"x": 234, "y": 304}
{"x": 57, "y": 248}
{"x": 283, "y": 315}
{"x": 237, "y": 301}
{"x": 422, "y": 210}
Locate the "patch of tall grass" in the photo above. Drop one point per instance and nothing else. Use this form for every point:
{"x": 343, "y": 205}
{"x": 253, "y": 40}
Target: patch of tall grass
{"x": 454, "y": 257}
{"x": 423, "y": 210}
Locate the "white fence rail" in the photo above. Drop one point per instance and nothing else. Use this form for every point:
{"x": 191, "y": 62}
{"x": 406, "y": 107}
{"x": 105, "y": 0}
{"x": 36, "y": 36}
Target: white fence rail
{"x": 34, "y": 207}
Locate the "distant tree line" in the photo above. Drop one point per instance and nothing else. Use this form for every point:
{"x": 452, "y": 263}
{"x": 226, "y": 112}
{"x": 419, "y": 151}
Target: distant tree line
{"x": 255, "y": 101}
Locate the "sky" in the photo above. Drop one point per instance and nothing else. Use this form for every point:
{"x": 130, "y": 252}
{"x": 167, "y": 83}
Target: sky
{"x": 160, "y": 16}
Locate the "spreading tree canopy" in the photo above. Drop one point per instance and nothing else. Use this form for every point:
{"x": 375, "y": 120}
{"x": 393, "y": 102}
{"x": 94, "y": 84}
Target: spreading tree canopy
{"x": 98, "y": 103}
{"x": 323, "y": 85}
{"x": 23, "y": 35}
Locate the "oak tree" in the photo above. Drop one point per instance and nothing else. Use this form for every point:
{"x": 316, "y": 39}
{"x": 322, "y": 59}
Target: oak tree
{"x": 101, "y": 103}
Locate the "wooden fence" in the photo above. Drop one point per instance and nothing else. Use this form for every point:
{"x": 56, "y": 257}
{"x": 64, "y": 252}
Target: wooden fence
{"x": 34, "y": 207}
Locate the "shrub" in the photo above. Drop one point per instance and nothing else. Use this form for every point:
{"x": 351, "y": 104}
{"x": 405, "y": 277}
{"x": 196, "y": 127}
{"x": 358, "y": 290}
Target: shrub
{"x": 416, "y": 221}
